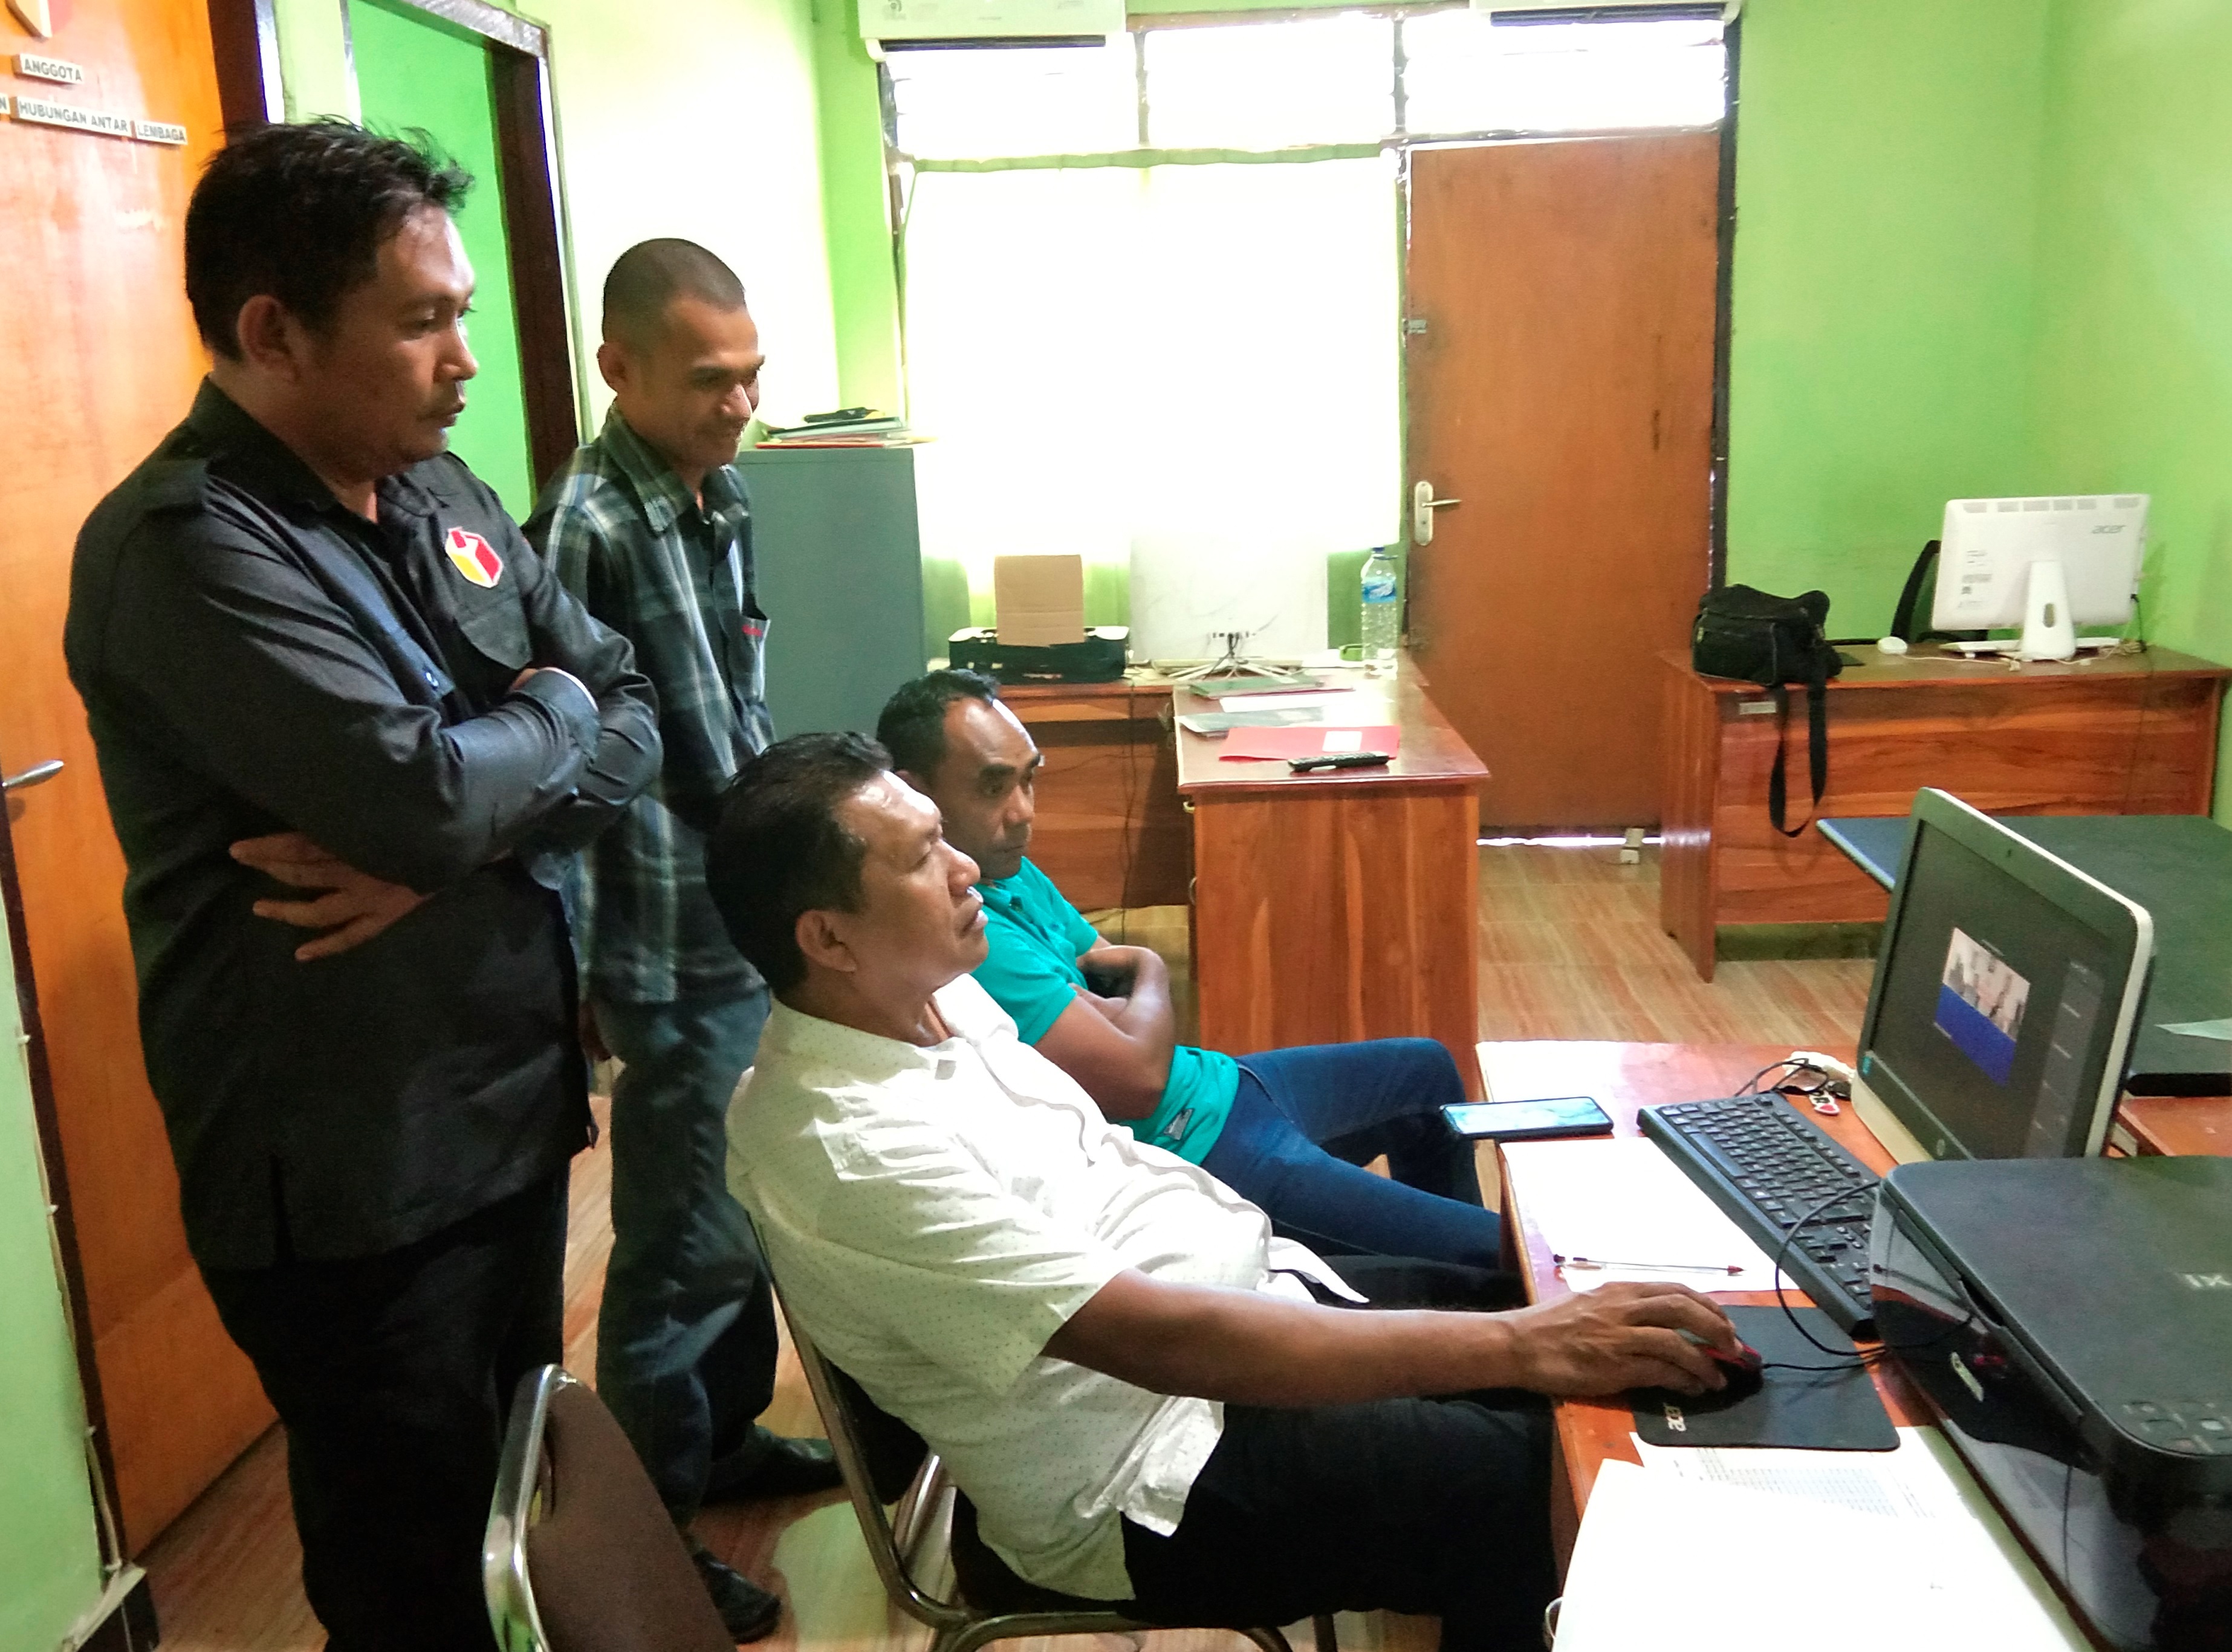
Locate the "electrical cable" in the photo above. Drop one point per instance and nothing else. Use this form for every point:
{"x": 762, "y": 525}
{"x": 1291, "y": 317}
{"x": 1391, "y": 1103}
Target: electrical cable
{"x": 1848, "y": 1362}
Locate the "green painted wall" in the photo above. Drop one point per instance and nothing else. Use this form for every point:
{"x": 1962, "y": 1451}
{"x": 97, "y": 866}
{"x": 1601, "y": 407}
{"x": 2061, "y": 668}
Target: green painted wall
{"x": 416, "y": 72}
{"x": 696, "y": 117}
{"x": 2134, "y": 381}
{"x": 50, "y": 1556}
{"x": 1889, "y": 190}
{"x": 863, "y": 284}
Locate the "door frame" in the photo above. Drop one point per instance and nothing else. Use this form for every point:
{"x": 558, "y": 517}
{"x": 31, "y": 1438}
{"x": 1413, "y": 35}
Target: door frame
{"x": 244, "y": 35}
{"x": 46, "y": 1123}
{"x": 1716, "y": 572}
{"x": 534, "y": 213}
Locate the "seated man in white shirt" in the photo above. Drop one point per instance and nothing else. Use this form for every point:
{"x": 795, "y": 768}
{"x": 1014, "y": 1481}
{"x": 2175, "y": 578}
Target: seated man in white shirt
{"x": 1134, "y": 1382}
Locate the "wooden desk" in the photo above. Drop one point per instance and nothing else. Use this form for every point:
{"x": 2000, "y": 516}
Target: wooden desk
{"x": 2175, "y": 1124}
{"x": 1625, "y": 1078}
{"x": 1109, "y": 832}
{"x": 2118, "y": 736}
{"x": 1337, "y": 906}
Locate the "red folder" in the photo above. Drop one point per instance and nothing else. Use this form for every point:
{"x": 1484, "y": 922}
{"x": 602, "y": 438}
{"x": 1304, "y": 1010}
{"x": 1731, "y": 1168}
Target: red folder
{"x": 1309, "y": 739}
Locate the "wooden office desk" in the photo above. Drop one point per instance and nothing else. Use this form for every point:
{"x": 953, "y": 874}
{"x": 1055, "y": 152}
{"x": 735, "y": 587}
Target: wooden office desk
{"x": 2118, "y": 736}
{"x": 1625, "y": 1078}
{"x": 1337, "y": 906}
{"x": 2175, "y": 1126}
{"x": 1110, "y": 832}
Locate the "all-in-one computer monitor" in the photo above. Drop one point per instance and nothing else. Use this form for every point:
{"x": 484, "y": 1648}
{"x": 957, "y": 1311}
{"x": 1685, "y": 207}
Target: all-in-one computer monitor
{"x": 2005, "y": 998}
{"x": 2048, "y": 565}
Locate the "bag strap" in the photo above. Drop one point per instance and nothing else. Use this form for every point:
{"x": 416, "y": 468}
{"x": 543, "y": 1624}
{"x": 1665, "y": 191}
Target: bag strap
{"x": 1817, "y": 747}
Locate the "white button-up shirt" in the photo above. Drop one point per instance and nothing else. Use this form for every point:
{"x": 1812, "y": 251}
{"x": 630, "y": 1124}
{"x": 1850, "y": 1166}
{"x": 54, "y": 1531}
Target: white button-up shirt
{"x": 933, "y": 1215}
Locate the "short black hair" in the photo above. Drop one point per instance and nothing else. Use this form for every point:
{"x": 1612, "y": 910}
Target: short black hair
{"x": 651, "y": 274}
{"x": 779, "y": 850}
{"x": 300, "y": 212}
{"x": 912, "y": 725}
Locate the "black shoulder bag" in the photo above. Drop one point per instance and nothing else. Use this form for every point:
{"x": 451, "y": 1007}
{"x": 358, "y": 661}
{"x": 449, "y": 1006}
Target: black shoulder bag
{"x": 1772, "y": 641}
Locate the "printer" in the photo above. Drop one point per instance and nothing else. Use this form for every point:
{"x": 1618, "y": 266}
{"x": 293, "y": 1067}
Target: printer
{"x": 2071, "y": 1322}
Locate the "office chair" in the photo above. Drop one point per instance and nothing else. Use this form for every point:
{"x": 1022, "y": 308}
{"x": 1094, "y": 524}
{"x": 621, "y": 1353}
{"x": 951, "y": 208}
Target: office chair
{"x": 883, "y": 1462}
{"x": 580, "y": 1555}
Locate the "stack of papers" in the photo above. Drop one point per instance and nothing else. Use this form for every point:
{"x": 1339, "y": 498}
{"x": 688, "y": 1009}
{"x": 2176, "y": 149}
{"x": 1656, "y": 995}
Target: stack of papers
{"x": 1335, "y": 705}
{"x": 1833, "y": 1551}
{"x": 1628, "y": 1209}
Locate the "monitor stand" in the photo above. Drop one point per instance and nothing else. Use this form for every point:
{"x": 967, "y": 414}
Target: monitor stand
{"x": 1230, "y": 664}
{"x": 2048, "y": 632}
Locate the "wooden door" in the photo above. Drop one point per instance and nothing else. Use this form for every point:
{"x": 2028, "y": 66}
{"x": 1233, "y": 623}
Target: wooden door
{"x": 1561, "y": 388}
{"x": 103, "y": 360}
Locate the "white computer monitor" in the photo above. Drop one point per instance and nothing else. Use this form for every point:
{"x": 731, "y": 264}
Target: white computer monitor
{"x": 2006, "y": 997}
{"x": 2048, "y": 565}
{"x": 1200, "y": 597}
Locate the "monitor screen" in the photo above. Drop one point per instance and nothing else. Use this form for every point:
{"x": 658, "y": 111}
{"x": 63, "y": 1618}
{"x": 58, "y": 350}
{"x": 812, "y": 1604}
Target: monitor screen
{"x": 2001, "y": 1001}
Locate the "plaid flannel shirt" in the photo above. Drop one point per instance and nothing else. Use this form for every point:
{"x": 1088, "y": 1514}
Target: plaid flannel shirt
{"x": 675, "y": 578}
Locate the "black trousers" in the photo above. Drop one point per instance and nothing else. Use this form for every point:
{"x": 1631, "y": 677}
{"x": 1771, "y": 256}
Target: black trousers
{"x": 394, "y": 1375}
{"x": 1437, "y": 1506}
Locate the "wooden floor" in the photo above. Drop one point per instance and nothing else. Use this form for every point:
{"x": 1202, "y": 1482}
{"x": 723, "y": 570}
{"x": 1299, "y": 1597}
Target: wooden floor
{"x": 1570, "y": 947}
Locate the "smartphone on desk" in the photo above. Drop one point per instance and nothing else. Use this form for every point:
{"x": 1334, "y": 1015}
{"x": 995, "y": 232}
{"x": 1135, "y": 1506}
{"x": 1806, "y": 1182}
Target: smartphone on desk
{"x": 1528, "y": 1121}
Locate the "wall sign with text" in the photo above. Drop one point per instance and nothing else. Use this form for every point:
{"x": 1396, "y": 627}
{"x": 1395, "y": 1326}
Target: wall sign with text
{"x": 44, "y": 112}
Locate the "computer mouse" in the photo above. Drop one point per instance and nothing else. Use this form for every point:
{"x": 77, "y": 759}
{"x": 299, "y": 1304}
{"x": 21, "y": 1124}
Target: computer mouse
{"x": 1743, "y": 1369}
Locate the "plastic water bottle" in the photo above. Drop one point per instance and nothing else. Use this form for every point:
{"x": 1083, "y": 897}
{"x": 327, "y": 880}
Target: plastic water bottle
{"x": 1382, "y": 621}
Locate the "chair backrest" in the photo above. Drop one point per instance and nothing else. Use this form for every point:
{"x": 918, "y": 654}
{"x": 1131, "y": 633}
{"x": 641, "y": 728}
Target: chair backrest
{"x": 882, "y": 1458}
{"x": 580, "y": 1555}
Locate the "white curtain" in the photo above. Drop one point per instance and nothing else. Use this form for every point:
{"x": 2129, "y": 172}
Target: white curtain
{"x": 1204, "y": 356}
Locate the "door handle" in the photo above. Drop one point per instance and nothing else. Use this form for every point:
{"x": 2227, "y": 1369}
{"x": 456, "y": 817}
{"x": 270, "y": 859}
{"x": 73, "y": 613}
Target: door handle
{"x": 1422, "y": 507}
{"x": 36, "y": 775}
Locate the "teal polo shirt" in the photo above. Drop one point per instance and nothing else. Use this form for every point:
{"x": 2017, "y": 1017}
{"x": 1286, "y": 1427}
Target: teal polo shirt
{"x": 1036, "y": 938}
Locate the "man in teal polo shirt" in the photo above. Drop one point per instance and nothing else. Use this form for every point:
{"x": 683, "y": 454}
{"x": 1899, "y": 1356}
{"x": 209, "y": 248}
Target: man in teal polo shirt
{"x": 1289, "y": 1129}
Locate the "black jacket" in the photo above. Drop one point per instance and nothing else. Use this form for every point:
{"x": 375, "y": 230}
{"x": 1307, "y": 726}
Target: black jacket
{"x": 255, "y": 659}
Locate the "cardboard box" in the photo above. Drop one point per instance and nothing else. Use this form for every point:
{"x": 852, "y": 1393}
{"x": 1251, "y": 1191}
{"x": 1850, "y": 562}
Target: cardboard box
{"x": 1038, "y": 601}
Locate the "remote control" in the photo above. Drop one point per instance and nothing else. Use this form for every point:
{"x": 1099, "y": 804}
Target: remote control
{"x": 1343, "y": 760}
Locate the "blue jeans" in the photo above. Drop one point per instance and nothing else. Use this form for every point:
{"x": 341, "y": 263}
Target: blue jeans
{"x": 685, "y": 1334}
{"x": 1305, "y": 1120}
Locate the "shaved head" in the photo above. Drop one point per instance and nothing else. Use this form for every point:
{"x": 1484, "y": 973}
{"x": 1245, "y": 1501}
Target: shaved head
{"x": 652, "y": 275}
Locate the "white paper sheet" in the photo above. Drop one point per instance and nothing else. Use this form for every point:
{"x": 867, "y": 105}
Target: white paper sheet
{"x": 1337, "y": 704}
{"x": 1909, "y": 1483}
{"x": 2221, "y": 1028}
{"x": 1625, "y": 1203}
{"x": 1673, "y": 1563}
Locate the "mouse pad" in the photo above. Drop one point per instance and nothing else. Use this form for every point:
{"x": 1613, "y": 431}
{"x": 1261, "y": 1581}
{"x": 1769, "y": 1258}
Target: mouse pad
{"x": 1820, "y": 1410}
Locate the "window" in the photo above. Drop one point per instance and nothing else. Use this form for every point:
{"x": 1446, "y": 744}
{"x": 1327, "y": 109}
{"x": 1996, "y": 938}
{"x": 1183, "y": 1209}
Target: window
{"x": 1326, "y": 79}
{"x": 1462, "y": 75}
{"x": 1152, "y": 286}
{"x": 1016, "y": 100}
{"x": 1337, "y": 78}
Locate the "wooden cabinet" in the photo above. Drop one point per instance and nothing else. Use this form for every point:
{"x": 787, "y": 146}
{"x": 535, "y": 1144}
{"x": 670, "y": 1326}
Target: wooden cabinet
{"x": 1338, "y": 906}
{"x": 2114, "y": 736}
{"x": 1110, "y": 832}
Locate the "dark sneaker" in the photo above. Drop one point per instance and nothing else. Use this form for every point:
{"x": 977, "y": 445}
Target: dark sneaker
{"x": 748, "y": 1611}
{"x": 777, "y": 1466}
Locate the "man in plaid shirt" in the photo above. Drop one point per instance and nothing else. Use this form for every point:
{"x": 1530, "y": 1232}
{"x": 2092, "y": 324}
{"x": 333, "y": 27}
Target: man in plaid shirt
{"x": 648, "y": 525}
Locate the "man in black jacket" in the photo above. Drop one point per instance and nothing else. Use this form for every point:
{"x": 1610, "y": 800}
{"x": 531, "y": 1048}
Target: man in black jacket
{"x": 333, "y": 691}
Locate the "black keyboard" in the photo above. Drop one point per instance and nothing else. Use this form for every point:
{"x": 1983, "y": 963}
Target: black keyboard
{"x": 1774, "y": 1171}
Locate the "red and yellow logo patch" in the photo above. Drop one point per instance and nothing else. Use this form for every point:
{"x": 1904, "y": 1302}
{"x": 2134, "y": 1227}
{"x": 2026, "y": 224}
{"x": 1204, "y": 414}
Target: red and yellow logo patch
{"x": 475, "y": 557}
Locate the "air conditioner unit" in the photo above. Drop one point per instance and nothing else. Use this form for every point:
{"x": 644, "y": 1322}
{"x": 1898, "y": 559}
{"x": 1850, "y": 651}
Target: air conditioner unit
{"x": 904, "y": 20}
{"x": 1585, "y": 7}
